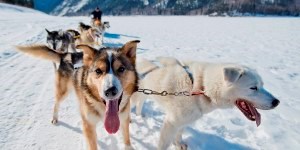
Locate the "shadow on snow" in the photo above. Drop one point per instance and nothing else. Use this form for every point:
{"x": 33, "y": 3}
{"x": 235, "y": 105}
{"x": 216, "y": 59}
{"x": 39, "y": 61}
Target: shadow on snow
{"x": 117, "y": 36}
{"x": 205, "y": 141}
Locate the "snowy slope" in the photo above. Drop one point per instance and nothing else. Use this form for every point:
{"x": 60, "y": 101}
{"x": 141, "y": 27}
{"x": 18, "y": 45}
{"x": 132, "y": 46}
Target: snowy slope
{"x": 7, "y": 8}
{"x": 271, "y": 45}
{"x": 68, "y": 6}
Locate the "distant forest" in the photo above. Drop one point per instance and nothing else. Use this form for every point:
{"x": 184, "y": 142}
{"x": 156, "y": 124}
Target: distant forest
{"x": 185, "y": 7}
{"x": 197, "y": 7}
{"x": 25, "y": 3}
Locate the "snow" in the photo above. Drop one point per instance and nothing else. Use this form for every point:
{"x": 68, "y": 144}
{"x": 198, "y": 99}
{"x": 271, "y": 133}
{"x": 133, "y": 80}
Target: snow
{"x": 59, "y": 7}
{"x": 15, "y": 9}
{"x": 69, "y": 6}
{"x": 271, "y": 45}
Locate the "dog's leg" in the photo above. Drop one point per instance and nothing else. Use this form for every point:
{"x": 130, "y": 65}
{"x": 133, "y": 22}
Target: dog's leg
{"x": 62, "y": 89}
{"x": 178, "y": 141}
{"x": 137, "y": 99}
{"x": 125, "y": 120}
{"x": 126, "y": 135}
{"x": 89, "y": 131}
{"x": 139, "y": 106}
{"x": 167, "y": 134}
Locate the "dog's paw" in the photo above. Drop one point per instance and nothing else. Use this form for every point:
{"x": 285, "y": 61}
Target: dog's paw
{"x": 129, "y": 147}
{"x": 181, "y": 146}
{"x": 54, "y": 121}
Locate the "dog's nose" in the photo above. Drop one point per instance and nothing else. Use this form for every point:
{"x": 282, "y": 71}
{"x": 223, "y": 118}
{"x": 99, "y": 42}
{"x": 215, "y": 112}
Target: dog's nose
{"x": 111, "y": 92}
{"x": 275, "y": 102}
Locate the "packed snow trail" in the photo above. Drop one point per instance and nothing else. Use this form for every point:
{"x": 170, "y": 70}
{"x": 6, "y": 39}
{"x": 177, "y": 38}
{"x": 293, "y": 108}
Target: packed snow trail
{"x": 271, "y": 45}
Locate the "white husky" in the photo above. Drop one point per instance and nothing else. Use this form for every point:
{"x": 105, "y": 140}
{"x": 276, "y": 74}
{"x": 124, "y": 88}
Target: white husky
{"x": 225, "y": 86}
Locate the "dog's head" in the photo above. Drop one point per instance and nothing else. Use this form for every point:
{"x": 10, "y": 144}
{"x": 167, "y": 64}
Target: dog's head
{"x": 55, "y": 40}
{"x": 112, "y": 75}
{"x": 83, "y": 27}
{"x": 106, "y": 25}
{"x": 245, "y": 89}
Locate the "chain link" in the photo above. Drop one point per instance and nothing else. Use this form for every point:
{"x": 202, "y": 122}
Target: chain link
{"x": 164, "y": 93}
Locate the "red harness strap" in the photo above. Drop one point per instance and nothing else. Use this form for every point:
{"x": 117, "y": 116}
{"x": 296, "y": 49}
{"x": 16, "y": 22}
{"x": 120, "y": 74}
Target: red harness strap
{"x": 198, "y": 93}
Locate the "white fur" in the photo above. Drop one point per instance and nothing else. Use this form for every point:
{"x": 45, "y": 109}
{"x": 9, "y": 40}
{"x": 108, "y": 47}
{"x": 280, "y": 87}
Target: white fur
{"x": 111, "y": 80}
{"x": 220, "y": 93}
{"x": 78, "y": 64}
{"x": 50, "y": 44}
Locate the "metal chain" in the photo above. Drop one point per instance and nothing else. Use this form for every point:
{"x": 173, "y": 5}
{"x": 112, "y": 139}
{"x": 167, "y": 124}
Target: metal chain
{"x": 164, "y": 93}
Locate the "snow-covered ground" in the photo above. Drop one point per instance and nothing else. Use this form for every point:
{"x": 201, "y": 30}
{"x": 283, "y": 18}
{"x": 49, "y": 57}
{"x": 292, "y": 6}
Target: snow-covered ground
{"x": 68, "y": 6}
{"x": 271, "y": 45}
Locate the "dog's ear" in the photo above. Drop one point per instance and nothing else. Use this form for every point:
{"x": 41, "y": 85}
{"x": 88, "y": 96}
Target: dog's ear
{"x": 106, "y": 24}
{"x": 88, "y": 54}
{"x": 232, "y": 74}
{"x": 129, "y": 49}
{"x": 48, "y": 31}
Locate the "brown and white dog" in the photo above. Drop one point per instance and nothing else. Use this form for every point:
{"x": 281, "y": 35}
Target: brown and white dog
{"x": 95, "y": 32}
{"x": 65, "y": 41}
{"x": 89, "y": 36}
{"x": 103, "y": 85}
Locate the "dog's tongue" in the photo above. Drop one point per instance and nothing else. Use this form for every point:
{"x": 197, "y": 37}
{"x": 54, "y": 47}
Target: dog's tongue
{"x": 249, "y": 111}
{"x": 111, "y": 120}
{"x": 256, "y": 114}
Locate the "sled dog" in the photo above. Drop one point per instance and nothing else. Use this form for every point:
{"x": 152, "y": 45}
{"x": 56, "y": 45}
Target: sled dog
{"x": 65, "y": 41}
{"x": 89, "y": 36}
{"x": 224, "y": 86}
{"x": 99, "y": 25}
{"x": 103, "y": 85}
{"x": 62, "y": 41}
{"x": 99, "y": 29}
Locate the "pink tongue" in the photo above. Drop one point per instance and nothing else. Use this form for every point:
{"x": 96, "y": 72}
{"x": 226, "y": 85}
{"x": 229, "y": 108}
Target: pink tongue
{"x": 111, "y": 120}
{"x": 256, "y": 114}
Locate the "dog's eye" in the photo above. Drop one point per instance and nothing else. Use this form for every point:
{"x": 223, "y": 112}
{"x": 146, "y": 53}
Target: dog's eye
{"x": 98, "y": 71}
{"x": 121, "y": 69}
{"x": 254, "y": 88}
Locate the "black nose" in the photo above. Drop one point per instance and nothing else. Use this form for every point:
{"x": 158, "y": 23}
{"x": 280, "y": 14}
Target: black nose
{"x": 111, "y": 92}
{"x": 275, "y": 102}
